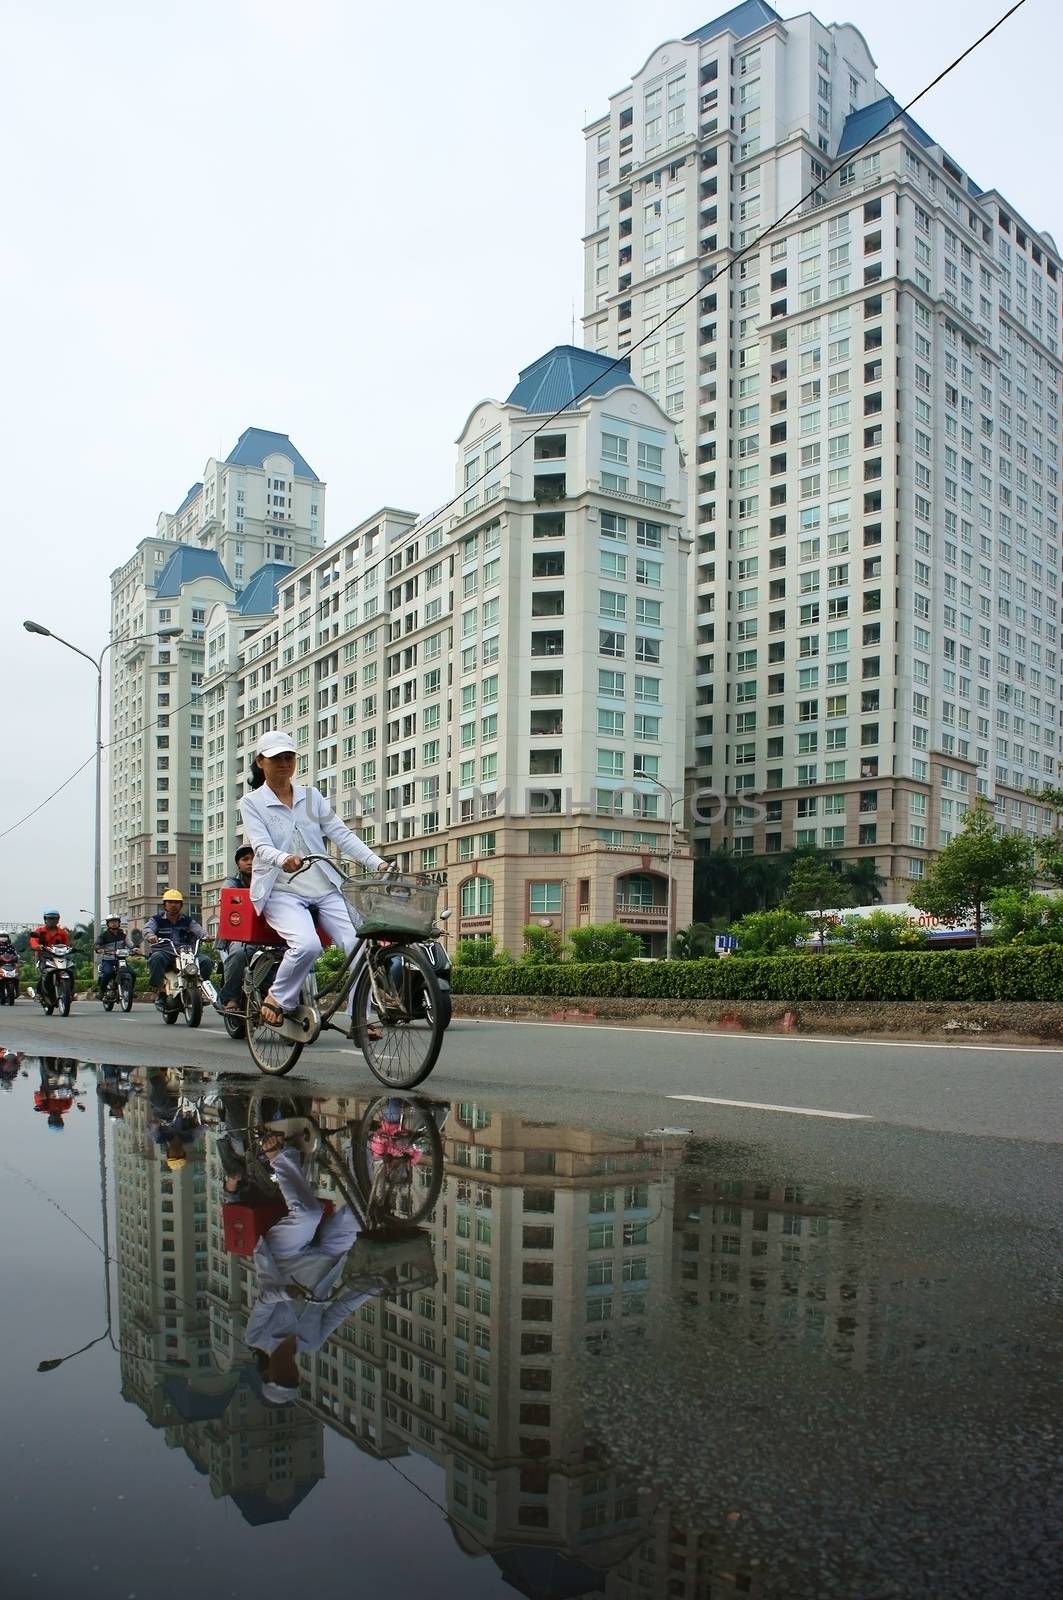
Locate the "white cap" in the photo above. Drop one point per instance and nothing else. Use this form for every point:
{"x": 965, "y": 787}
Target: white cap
{"x": 275, "y": 743}
{"x": 279, "y": 1394}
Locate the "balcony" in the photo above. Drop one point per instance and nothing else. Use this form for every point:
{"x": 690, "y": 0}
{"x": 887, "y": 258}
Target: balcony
{"x": 548, "y": 488}
{"x": 549, "y": 603}
{"x": 547, "y": 724}
{"x": 547, "y": 683}
{"x": 544, "y": 763}
{"x": 548, "y": 644}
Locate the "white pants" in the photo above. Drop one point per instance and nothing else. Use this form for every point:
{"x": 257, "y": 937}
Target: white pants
{"x": 289, "y": 915}
{"x": 291, "y": 1238}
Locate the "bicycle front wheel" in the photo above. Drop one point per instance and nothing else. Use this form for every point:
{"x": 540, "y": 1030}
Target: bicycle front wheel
{"x": 390, "y": 1001}
{"x": 397, "y": 1157}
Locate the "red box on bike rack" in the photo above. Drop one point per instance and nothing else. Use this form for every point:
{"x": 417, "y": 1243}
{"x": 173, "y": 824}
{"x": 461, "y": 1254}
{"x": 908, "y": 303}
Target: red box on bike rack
{"x": 245, "y": 1225}
{"x": 238, "y": 920}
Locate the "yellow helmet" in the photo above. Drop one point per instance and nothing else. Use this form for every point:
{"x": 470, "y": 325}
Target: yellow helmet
{"x": 175, "y": 1163}
{"x": 173, "y": 894}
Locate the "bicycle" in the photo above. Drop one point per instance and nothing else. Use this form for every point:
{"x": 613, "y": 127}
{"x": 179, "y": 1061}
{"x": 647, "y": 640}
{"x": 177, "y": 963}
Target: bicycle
{"x": 396, "y": 1017}
{"x": 391, "y": 1172}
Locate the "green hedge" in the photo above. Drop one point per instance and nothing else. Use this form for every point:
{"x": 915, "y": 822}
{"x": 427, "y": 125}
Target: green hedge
{"x": 1008, "y": 974}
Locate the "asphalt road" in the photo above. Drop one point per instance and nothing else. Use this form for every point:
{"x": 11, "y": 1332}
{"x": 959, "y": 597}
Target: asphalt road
{"x": 635, "y": 1078}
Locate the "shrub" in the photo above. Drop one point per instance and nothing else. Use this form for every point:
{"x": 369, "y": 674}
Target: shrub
{"x": 475, "y": 952}
{"x": 1009, "y": 973}
{"x": 880, "y": 930}
{"x": 542, "y": 945}
{"x": 769, "y": 933}
{"x": 603, "y": 941}
{"x": 327, "y": 966}
{"x": 1026, "y": 919}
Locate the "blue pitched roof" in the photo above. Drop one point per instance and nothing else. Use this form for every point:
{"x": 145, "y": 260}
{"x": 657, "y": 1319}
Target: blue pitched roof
{"x": 255, "y": 444}
{"x": 870, "y": 121}
{"x": 187, "y": 565}
{"x": 259, "y": 597}
{"x": 257, "y": 1508}
{"x": 553, "y": 382}
{"x": 189, "y": 497}
{"x": 740, "y": 20}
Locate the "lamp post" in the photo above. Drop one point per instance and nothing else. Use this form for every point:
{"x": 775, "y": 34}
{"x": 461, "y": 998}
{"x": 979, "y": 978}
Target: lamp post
{"x": 673, "y": 801}
{"x": 96, "y": 662}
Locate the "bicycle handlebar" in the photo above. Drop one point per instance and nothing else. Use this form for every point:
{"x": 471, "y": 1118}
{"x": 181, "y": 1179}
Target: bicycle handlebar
{"x": 308, "y": 861}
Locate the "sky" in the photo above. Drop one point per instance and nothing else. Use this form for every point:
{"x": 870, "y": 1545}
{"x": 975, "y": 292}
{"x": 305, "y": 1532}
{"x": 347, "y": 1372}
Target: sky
{"x": 345, "y": 222}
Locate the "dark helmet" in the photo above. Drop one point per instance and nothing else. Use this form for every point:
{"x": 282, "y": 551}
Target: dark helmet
{"x": 48, "y": 915}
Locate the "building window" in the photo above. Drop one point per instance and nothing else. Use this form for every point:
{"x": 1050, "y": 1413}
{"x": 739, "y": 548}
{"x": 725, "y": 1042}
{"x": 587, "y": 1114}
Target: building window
{"x": 544, "y": 898}
{"x": 477, "y": 897}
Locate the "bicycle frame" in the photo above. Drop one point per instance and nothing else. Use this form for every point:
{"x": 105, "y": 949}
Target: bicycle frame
{"x": 345, "y": 981}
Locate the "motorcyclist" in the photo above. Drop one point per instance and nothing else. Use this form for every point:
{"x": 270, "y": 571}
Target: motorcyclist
{"x": 183, "y": 930}
{"x": 111, "y": 934}
{"x": 51, "y": 932}
{"x": 57, "y": 1094}
{"x": 7, "y": 949}
{"x": 231, "y": 997}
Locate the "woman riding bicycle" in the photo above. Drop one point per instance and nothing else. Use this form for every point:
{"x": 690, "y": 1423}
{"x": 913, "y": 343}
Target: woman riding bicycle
{"x": 285, "y": 823}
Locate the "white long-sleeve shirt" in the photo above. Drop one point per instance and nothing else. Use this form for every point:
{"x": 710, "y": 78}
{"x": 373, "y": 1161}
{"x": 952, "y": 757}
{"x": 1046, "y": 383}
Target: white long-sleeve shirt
{"x": 271, "y": 826}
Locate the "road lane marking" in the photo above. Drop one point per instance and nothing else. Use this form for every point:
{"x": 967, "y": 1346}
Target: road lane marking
{"x": 756, "y": 1105}
{"x": 777, "y": 1038}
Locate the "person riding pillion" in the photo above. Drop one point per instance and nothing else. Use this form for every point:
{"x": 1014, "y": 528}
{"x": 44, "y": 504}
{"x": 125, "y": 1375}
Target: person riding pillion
{"x": 234, "y": 952}
{"x": 286, "y": 822}
{"x": 111, "y": 935}
{"x": 181, "y": 929}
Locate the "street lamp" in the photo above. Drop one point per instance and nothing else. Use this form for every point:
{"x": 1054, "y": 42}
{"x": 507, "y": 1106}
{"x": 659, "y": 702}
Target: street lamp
{"x": 673, "y": 801}
{"x": 96, "y": 662}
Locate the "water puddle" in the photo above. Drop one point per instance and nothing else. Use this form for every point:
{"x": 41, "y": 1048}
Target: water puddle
{"x": 257, "y": 1333}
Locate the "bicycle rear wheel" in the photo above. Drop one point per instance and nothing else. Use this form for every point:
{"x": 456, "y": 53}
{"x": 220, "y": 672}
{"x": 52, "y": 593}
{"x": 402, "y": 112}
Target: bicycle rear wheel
{"x": 271, "y": 1052}
{"x": 412, "y": 1031}
{"x": 398, "y": 1161}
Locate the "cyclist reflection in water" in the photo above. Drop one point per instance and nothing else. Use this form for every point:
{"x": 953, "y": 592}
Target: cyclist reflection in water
{"x": 297, "y": 1265}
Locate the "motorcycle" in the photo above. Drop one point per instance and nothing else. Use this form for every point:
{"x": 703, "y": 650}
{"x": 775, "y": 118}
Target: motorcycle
{"x": 119, "y": 987}
{"x": 56, "y": 979}
{"x": 435, "y": 954}
{"x": 185, "y": 988}
{"x": 8, "y": 983}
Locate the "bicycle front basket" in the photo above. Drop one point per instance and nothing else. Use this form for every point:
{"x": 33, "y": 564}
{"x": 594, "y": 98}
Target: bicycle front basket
{"x": 398, "y": 906}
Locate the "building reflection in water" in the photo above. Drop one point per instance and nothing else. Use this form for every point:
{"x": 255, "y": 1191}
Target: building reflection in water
{"x": 571, "y": 1347}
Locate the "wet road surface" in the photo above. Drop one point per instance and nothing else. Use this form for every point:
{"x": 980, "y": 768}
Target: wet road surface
{"x": 628, "y": 1347}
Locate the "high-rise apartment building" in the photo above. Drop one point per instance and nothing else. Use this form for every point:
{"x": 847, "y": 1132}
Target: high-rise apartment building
{"x": 255, "y": 515}
{"x": 869, "y": 401}
{"x": 496, "y": 691}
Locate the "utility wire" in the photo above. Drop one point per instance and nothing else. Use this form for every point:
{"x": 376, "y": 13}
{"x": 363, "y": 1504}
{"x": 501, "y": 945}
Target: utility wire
{"x": 49, "y": 797}
{"x": 754, "y": 244}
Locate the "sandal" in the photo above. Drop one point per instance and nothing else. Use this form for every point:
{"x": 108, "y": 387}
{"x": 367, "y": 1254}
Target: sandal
{"x": 276, "y": 1015}
{"x": 232, "y": 1008}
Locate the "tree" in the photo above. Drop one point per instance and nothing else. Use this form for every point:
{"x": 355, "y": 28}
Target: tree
{"x": 542, "y": 946}
{"x": 690, "y": 944}
{"x": 814, "y": 886}
{"x": 974, "y": 865}
{"x": 769, "y": 933}
{"x": 1026, "y": 918}
{"x": 603, "y": 941}
{"x": 881, "y": 930}
{"x": 863, "y": 879}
